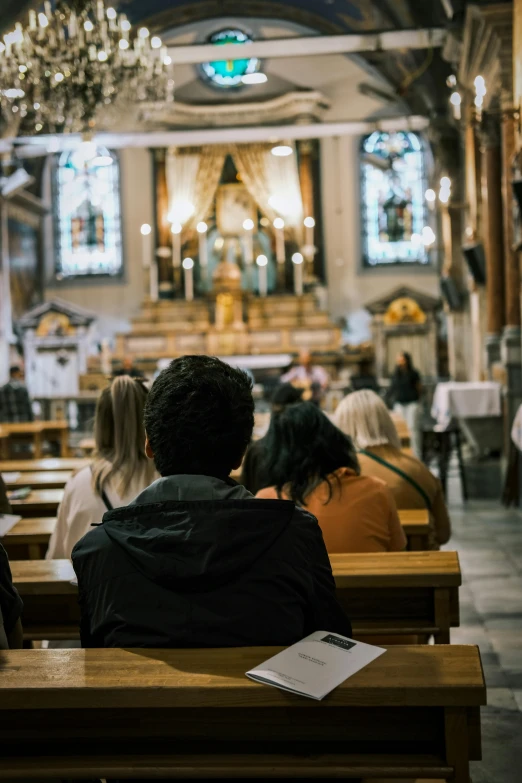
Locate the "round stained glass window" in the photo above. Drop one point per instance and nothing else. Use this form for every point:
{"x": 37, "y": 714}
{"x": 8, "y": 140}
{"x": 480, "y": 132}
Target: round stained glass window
{"x": 229, "y": 73}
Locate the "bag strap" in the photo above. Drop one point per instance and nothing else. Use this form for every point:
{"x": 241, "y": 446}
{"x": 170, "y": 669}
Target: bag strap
{"x": 402, "y": 474}
{"x": 104, "y": 497}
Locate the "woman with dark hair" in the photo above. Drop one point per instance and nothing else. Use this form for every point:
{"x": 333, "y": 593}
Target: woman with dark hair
{"x": 405, "y": 392}
{"x": 314, "y": 464}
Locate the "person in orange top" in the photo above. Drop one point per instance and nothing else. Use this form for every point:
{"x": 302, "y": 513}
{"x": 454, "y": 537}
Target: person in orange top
{"x": 311, "y": 462}
{"x": 364, "y": 417}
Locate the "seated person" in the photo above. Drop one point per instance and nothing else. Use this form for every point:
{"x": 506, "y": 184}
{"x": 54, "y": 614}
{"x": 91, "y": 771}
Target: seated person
{"x": 11, "y": 606}
{"x": 15, "y": 403}
{"x": 311, "y": 378}
{"x": 120, "y": 469}
{"x": 196, "y": 560}
{"x": 313, "y": 464}
{"x": 128, "y": 368}
{"x": 253, "y": 474}
{"x": 365, "y": 377}
{"x": 365, "y": 418}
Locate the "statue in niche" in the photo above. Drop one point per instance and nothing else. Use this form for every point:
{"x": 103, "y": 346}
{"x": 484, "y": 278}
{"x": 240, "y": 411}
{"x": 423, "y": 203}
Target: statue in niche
{"x": 396, "y": 217}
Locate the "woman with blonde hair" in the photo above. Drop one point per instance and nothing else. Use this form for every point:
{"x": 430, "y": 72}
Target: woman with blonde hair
{"x": 365, "y": 418}
{"x": 120, "y": 469}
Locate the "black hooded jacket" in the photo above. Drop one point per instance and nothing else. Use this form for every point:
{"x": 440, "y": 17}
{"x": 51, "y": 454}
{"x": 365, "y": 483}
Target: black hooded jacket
{"x": 199, "y": 562}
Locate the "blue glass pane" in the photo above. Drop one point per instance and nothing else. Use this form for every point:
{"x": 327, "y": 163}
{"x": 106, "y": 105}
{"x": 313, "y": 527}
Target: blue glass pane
{"x": 229, "y": 73}
{"x": 87, "y": 199}
{"x": 392, "y": 197}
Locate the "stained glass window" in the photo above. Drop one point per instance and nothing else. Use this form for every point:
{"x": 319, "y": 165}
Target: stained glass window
{"x": 396, "y": 227}
{"x": 88, "y": 222}
{"x": 229, "y": 73}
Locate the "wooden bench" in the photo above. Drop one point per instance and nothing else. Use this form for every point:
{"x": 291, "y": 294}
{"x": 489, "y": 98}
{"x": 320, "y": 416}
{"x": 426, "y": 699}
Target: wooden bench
{"x": 40, "y": 503}
{"x": 416, "y": 525}
{"x": 37, "y": 432}
{"x": 400, "y": 593}
{"x": 412, "y": 713}
{"x": 397, "y": 593}
{"x": 29, "y": 538}
{"x": 48, "y": 464}
{"x": 41, "y": 479}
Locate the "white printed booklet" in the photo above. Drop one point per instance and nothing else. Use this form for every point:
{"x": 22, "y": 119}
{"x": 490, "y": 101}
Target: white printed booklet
{"x": 316, "y": 665}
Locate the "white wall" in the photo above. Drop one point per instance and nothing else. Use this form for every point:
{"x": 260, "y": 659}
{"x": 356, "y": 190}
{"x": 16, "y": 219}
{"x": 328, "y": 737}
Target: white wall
{"x": 117, "y": 301}
{"x": 350, "y": 288}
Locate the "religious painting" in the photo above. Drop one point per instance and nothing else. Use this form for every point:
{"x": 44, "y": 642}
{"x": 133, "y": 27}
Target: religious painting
{"x": 24, "y": 260}
{"x": 54, "y": 324}
{"x": 404, "y": 310}
{"x": 87, "y": 206}
{"x": 234, "y": 205}
{"x": 395, "y": 222}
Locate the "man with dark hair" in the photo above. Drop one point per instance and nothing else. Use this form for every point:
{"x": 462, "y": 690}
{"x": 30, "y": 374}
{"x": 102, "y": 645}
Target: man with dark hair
{"x": 15, "y": 403}
{"x": 195, "y": 560}
{"x": 253, "y": 474}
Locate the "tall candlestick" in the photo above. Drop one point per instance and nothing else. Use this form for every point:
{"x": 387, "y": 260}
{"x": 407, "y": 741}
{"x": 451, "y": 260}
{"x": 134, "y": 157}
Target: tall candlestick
{"x": 297, "y": 259}
{"x": 188, "y": 266}
{"x": 154, "y": 281}
{"x": 309, "y": 234}
{"x": 248, "y": 226}
{"x": 203, "y": 251}
{"x": 279, "y": 226}
{"x": 176, "y": 245}
{"x": 262, "y": 275}
{"x": 146, "y": 245}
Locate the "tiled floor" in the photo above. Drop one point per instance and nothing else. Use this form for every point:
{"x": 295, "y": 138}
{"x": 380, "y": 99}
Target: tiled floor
{"x": 489, "y": 541}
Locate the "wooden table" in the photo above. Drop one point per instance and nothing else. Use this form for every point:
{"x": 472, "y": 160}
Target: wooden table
{"x": 37, "y": 431}
{"x": 416, "y": 525}
{"x": 40, "y": 503}
{"x": 397, "y": 593}
{"x": 29, "y": 538}
{"x": 50, "y": 464}
{"x": 41, "y": 479}
{"x": 400, "y": 593}
{"x": 412, "y": 713}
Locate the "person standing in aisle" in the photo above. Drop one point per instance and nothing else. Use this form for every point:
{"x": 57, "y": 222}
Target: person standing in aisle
{"x": 405, "y": 393}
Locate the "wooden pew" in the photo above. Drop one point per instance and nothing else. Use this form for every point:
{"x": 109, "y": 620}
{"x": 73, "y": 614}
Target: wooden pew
{"x": 37, "y": 431}
{"x": 41, "y": 479}
{"x": 400, "y": 593}
{"x": 416, "y": 525}
{"x": 412, "y": 713}
{"x": 48, "y": 464}
{"x": 396, "y": 593}
{"x": 29, "y": 538}
{"x": 40, "y": 503}
{"x": 4, "y": 442}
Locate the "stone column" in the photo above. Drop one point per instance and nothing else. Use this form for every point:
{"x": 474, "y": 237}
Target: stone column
{"x": 6, "y": 326}
{"x": 493, "y": 237}
{"x": 163, "y": 233}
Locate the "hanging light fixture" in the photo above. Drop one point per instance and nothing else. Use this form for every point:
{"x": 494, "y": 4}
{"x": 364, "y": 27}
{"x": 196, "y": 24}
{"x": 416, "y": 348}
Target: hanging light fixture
{"x": 70, "y": 61}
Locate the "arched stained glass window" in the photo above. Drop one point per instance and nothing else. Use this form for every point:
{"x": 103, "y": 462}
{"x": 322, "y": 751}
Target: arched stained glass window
{"x": 393, "y": 182}
{"x": 88, "y": 215}
{"x": 229, "y": 73}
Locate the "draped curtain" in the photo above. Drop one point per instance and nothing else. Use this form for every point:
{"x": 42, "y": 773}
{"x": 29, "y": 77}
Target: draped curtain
{"x": 272, "y": 181}
{"x": 193, "y": 176}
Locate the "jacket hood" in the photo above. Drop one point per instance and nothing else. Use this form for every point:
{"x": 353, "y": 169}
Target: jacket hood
{"x": 196, "y": 533}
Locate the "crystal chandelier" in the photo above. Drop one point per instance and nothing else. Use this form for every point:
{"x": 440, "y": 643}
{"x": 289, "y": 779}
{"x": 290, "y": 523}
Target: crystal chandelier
{"x": 72, "y": 60}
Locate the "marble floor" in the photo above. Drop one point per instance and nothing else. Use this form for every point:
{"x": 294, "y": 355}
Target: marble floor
{"x": 489, "y": 541}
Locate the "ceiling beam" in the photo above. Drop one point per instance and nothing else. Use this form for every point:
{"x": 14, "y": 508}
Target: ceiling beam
{"x": 34, "y": 146}
{"x": 311, "y": 45}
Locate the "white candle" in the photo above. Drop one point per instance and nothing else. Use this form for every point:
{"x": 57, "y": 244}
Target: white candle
{"x": 279, "y": 226}
{"x": 188, "y": 266}
{"x": 309, "y": 233}
{"x": 146, "y": 245}
{"x": 176, "y": 245}
{"x": 262, "y": 276}
{"x": 297, "y": 259}
{"x": 203, "y": 254}
{"x": 153, "y": 281}
{"x": 248, "y": 226}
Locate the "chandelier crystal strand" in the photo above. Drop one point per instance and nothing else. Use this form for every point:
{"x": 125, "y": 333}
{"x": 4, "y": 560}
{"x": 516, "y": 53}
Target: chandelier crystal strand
{"x": 67, "y": 63}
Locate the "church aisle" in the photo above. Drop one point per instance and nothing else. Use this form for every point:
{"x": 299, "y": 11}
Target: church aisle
{"x": 489, "y": 541}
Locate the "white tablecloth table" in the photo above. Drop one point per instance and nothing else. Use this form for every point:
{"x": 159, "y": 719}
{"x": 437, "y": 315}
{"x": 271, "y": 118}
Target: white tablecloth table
{"x": 454, "y": 400}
